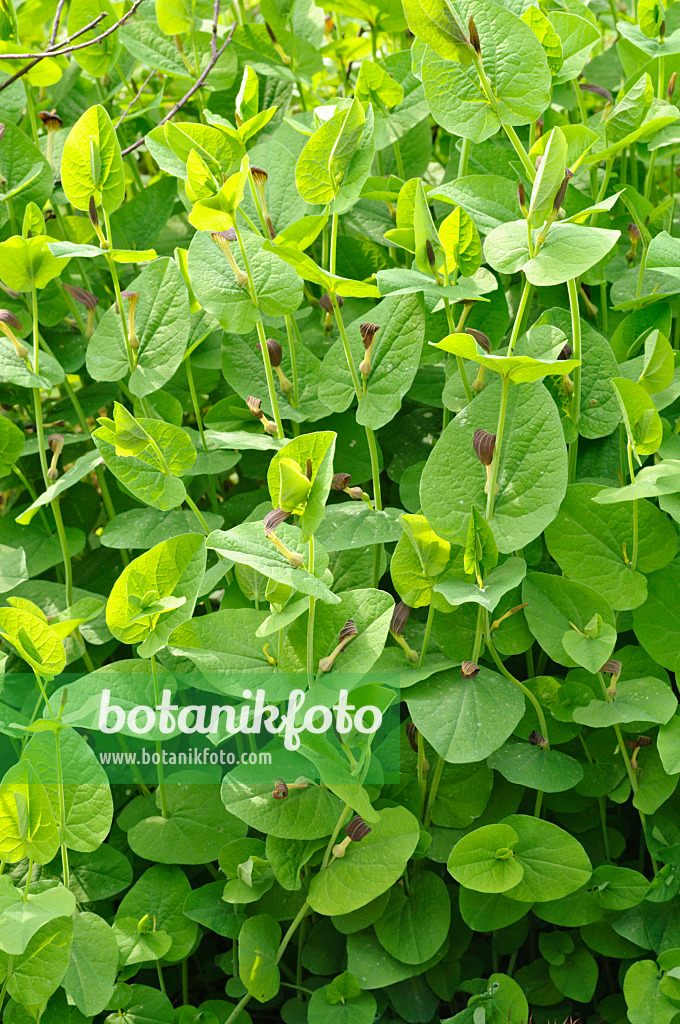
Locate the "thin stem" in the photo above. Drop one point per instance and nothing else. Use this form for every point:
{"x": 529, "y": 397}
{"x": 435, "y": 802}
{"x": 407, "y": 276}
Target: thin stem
{"x": 159, "y": 745}
{"x": 119, "y": 298}
{"x": 491, "y": 496}
{"x": 519, "y": 316}
{"x": 201, "y": 430}
{"x": 310, "y": 619}
{"x": 292, "y": 331}
{"x": 465, "y": 145}
{"x": 62, "y": 811}
{"x": 197, "y": 512}
{"x": 434, "y": 786}
{"x": 525, "y": 690}
{"x": 273, "y": 400}
{"x": 428, "y": 630}
{"x": 576, "y": 397}
{"x": 634, "y": 558}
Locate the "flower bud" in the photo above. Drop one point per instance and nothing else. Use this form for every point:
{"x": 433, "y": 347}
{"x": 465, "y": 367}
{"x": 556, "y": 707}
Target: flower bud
{"x": 412, "y": 736}
{"x": 8, "y": 324}
{"x": 641, "y": 741}
{"x": 671, "y": 84}
{"x": 255, "y": 407}
{"x": 51, "y": 120}
{"x": 469, "y": 670}
{"x": 326, "y": 302}
{"x": 223, "y": 238}
{"x": 275, "y": 352}
{"x": 400, "y": 617}
{"x": 597, "y": 90}
{"x": 277, "y": 46}
{"x": 474, "y": 36}
{"x": 559, "y": 198}
{"x": 484, "y": 444}
{"x": 612, "y": 667}
{"x": 368, "y": 332}
{"x": 430, "y": 255}
{"x": 565, "y": 352}
{"x": 633, "y": 232}
{"x": 347, "y": 633}
{"x": 280, "y": 789}
{"x": 274, "y": 519}
{"x": 480, "y": 337}
{"x": 357, "y": 829}
{"x": 55, "y": 443}
{"x": 536, "y": 740}
{"x": 341, "y": 481}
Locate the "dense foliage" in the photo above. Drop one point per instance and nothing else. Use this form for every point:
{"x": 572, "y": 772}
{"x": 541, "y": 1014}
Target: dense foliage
{"x": 340, "y": 349}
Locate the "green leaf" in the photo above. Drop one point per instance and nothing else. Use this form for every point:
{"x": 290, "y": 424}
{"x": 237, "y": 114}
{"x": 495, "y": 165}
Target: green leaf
{"x": 395, "y": 358}
{"x": 314, "y": 449}
{"x": 36, "y": 642}
{"x": 161, "y": 325}
{"x": 92, "y": 166}
{"x": 328, "y": 155}
{"x": 517, "y": 369}
{"x": 554, "y": 862}
{"x": 553, "y": 604}
{"x": 465, "y": 720}
{"x": 641, "y": 420}
{"x": 496, "y": 584}
{"x": 135, "y": 612}
{"x": 436, "y": 23}
{"x": 414, "y": 926}
{"x": 247, "y": 545}
{"x": 659, "y": 363}
{"x": 27, "y": 824}
{"x": 20, "y": 919}
{"x": 81, "y": 468}
{"x": 485, "y": 861}
{"x": 87, "y": 802}
{"x": 93, "y": 964}
{"x": 592, "y": 542}
{"x": 27, "y": 262}
{"x": 518, "y": 75}
{"x": 636, "y": 700}
{"x": 194, "y": 830}
{"x": 160, "y": 892}
{"x": 549, "y": 178}
{"x": 258, "y": 943}
{"x": 532, "y": 474}
{"x": 549, "y": 770}
{"x": 367, "y": 868}
{"x": 40, "y": 968}
{"x": 568, "y": 251}
{"x": 592, "y": 647}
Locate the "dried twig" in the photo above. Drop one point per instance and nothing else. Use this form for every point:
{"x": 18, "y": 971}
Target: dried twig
{"x": 55, "y": 23}
{"x": 50, "y": 52}
{"x": 135, "y": 98}
{"x": 61, "y": 49}
{"x": 195, "y": 87}
{"x": 213, "y": 37}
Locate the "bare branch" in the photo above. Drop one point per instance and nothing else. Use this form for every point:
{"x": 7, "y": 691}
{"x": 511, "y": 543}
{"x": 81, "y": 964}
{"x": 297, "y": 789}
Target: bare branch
{"x": 135, "y": 98}
{"x": 195, "y": 87}
{"x": 216, "y": 18}
{"x": 55, "y": 23}
{"x": 61, "y": 50}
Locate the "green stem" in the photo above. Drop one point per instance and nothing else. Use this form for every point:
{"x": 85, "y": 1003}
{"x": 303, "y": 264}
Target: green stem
{"x": 519, "y": 316}
{"x": 159, "y": 746}
{"x": 641, "y": 272}
{"x": 428, "y": 630}
{"x": 634, "y": 557}
{"x": 434, "y": 786}
{"x": 292, "y": 331}
{"x": 310, "y": 619}
{"x": 197, "y": 512}
{"x": 273, "y": 401}
{"x": 465, "y": 145}
{"x": 493, "y": 478}
{"x": 119, "y": 298}
{"x": 576, "y": 397}
{"x": 62, "y": 811}
{"x": 201, "y": 430}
